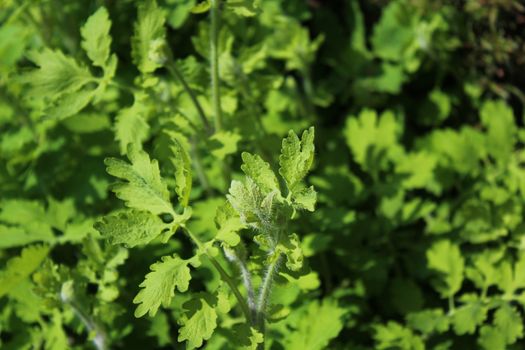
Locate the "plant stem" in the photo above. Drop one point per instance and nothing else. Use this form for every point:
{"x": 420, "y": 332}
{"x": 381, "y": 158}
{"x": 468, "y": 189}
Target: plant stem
{"x": 215, "y": 13}
{"x": 306, "y": 94}
{"x": 214, "y": 64}
{"x": 174, "y": 71}
{"x": 246, "y": 278}
{"x": 99, "y": 340}
{"x": 198, "y": 168}
{"x": 224, "y": 275}
{"x": 123, "y": 86}
{"x": 264, "y": 292}
{"x": 451, "y": 306}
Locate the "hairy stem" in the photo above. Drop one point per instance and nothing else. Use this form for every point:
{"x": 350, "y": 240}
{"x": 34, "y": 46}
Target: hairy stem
{"x": 99, "y": 340}
{"x": 174, "y": 71}
{"x": 224, "y": 275}
{"x": 246, "y": 278}
{"x": 264, "y": 291}
{"x": 214, "y": 64}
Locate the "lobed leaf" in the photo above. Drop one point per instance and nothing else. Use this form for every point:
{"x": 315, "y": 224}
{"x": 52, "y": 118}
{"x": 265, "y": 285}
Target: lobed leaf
{"x": 149, "y": 36}
{"x": 130, "y": 227}
{"x": 468, "y": 317}
{"x": 319, "y": 323}
{"x": 260, "y": 172}
{"x": 96, "y": 40}
{"x": 224, "y": 143}
{"x": 296, "y": 157}
{"x": 21, "y": 267}
{"x": 229, "y": 224}
{"x": 200, "y": 325}
{"x": 181, "y": 161}
{"x": 445, "y": 257}
{"x": 305, "y": 198}
{"x": 143, "y": 188}
{"x": 57, "y": 75}
{"x": 159, "y": 285}
{"x": 131, "y": 126}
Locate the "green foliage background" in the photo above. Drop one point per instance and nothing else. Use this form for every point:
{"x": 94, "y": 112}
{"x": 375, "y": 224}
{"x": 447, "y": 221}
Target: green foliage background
{"x": 417, "y": 239}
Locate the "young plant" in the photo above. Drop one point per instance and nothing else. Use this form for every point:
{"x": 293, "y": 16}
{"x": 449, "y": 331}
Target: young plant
{"x": 256, "y": 203}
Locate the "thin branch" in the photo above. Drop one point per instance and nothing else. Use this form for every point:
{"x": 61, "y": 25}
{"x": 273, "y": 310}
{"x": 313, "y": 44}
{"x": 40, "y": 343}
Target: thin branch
{"x": 99, "y": 340}
{"x": 214, "y": 64}
{"x": 265, "y": 289}
{"x": 224, "y": 275}
{"x": 176, "y": 74}
{"x": 246, "y": 278}
{"x": 203, "y": 179}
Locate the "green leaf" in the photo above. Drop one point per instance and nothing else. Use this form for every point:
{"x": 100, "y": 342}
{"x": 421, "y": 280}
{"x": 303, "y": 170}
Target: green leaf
{"x": 389, "y": 79}
{"x": 445, "y": 257}
{"x": 245, "y": 337}
{"x": 130, "y": 227}
{"x": 20, "y": 211}
{"x": 159, "y": 285}
{"x": 56, "y": 76}
{"x": 319, "y": 323}
{"x": 149, "y": 37}
{"x": 467, "y": 317}
{"x": 372, "y": 140}
{"x": 459, "y": 150}
{"x": 428, "y": 321}
{"x": 290, "y": 246}
{"x": 96, "y": 40}
{"x": 498, "y": 118}
{"x": 224, "y": 143}
{"x": 21, "y": 267}
{"x": 200, "y": 325}
{"x": 15, "y": 236}
{"x": 394, "y": 33}
{"x": 55, "y": 337}
{"x": 394, "y": 336}
{"x": 160, "y": 329}
{"x": 418, "y": 168}
{"x": 305, "y": 198}
{"x": 435, "y": 108}
{"x": 288, "y": 39}
{"x": 509, "y": 322}
{"x": 13, "y": 40}
{"x": 130, "y": 126}
{"x": 181, "y": 161}
{"x": 178, "y": 220}
{"x": 296, "y": 157}
{"x": 511, "y": 278}
{"x": 491, "y": 338}
{"x": 245, "y": 198}
{"x": 245, "y": 8}
{"x": 484, "y": 272}
{"x": 254, "y": 208}
{"x": 260, "y": 172}
{"x": 143, "y": 187}
{"x": 201, "y": 7}
{"x": 229, "y": 224}
{"x": 71, "y": 104}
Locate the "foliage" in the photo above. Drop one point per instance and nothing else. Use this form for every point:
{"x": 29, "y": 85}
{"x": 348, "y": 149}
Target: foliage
{"x": 245, "y": 174}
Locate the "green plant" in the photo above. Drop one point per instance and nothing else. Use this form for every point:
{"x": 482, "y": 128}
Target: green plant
{"x": 256, "y": 203}
{"x": 148, "y": 199}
